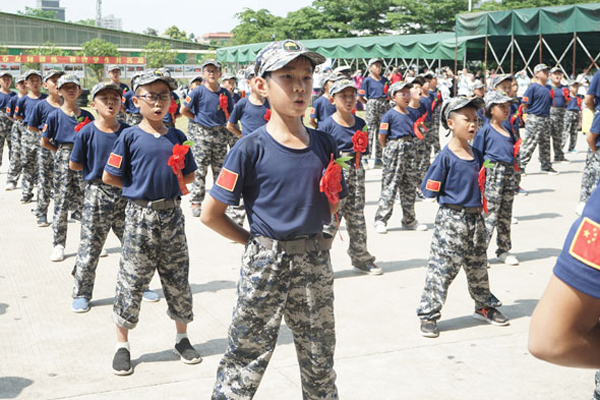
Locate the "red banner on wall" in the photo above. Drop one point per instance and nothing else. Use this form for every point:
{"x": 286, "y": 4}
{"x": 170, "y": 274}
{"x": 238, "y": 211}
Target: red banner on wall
{"x": 72, "y": 60}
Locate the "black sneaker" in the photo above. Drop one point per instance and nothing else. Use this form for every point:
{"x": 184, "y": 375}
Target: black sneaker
{"x": 429, "y": 328}
{"x": 76, "y": 216}
{"x": 491, "y": 316}
{"x": 550, "y": 171}
{"x": 27, "y": 198}
{"x": 42, "y": 221}
{"x": 122, "y": 362}
{"x": 188, "y": 354}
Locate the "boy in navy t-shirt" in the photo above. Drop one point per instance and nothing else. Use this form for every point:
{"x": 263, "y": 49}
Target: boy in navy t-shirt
{"x": 572, "y": 115}
{"x": 286, "y": 267}
{"x": 591, "y": 170}
{"x": 60, "y": 130}
{"x": 154, "y": 237}
{"x": 206, "y": 109}
{"x": 251, "y": 112}
{"x": 459, "y": 237}
{"x": 373, "y": 92}
{"x": 5, "y": 123}
{"x": 114, "y": 73}
{"x": 560, "y": 98}
{"x": 322, "y": 107}
{"x": 16, "y": 133}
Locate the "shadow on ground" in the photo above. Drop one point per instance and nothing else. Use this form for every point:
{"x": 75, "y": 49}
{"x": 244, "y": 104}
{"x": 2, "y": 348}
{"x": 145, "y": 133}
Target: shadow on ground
{"x": 387, "y": 266}
{"x": 12, "y": 386}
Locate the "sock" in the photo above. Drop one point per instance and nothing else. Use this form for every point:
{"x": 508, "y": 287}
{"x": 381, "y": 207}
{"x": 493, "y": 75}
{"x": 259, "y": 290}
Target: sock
{"x": 180, "y": 336}
{"x": 122, "y": 345}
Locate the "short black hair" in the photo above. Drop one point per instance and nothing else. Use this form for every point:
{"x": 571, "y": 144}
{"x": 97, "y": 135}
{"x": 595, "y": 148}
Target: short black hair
{"x": 419, "y": 80}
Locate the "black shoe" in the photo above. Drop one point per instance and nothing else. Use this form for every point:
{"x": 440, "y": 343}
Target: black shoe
{"x": 429, "y": 328}
{"x": 42, "y": 221}
{"x": 27, "y": 198}
{"x": 122, "y": 362}
{"x": 491, "y": 316}
{"x": 420, "y": 194}
{"x": 550, "y": 171}
{"x": 76, "y": 216}
{"x": 188, "y": 354}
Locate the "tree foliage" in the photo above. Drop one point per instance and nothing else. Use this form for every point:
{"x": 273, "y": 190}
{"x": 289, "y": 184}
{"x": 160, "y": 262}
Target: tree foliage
{"x": 37, "y": 12}
{"x": 150, "y": 31}
{"x": 173, "y": 32}
{"x": 255, "y": 26}
{"x": 98, "y": 48}
{"x": 47, "y": 49}
{"x": 88, "y": 22}
{"x": 158, "y": 54}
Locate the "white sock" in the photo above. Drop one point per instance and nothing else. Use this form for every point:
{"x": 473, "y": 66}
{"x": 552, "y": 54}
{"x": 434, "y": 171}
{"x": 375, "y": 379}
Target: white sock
{"x": 122, "y": 345}
{"x": 180, "y": 336}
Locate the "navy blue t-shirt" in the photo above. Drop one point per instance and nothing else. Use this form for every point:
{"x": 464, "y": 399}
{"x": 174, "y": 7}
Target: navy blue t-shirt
{"x": 494, "y": 145}
{"x": 205, "y": 105}
{"x": 60, "y": 127}
{"x": 40, "y": 114}
{"x": 453, "y": 180}
{"x": 578, "y": 265}
{"x": 395, "y": 124}
{"x": 141, "y": 160}
{"x": 435, "y": 96}
{"x": 321, "y": 110}
{"x": 5, "y": 99}
{"x": 426, "y": 102}
{"x": 574, "y": 104}
{"x": 249, "y": 115}
{"x": 279, "y": 185}
{"x": 130, "y": 108}
{"x": 92, "y": 148}
{"x": 558, "y": 100}
{"x": 168, "y": 118}
{"x": 373, "y": 89}
{"x": 538, "y": 100}
{"x": 594, "y": 89}
{"x": 10, "y": 107}
{"x": 124, "y": 88}
{"x": 343, "y": 134}
{"x": 25, "y": 107}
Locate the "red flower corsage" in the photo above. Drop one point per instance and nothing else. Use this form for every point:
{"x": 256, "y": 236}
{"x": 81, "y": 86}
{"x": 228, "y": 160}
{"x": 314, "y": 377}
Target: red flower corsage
{"x": 82, "y": 122}
{"x": 267, "y": 115}
{"x": 481, "y": 181}
{"x": 177, "y": 163}
{"x": 360, "y": 142}
{"x": 223, "y": 104}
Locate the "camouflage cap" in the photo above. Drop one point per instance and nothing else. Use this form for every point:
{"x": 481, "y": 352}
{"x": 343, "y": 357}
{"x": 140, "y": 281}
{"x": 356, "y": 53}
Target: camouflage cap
{"x": 112, "y": 67}
{"x": 498, "y": 79}
{"x": 342, "y": 69}
{"x": 67, "y": 78}
{"x": 340, "y": 85}
{"x": 458, "y": 103}
{"x": 374, "y": 60}
{"x": 210, "y": 61}
{"x": 331, "y": 77}
{"x": 477, "y": 85}
{"x": 540, "y": 67}
{"x": 227, "y": 76}
{"x": 197, "y": 78}
{"x": 98, "y": 87}
{"x": 50, "y": 73}
{"x": 5, "y": 73}
{"x": 20, "y": 79}
{"x": 556, "y": 69}
{"x": 427, "y": 75}
{"x": 249, "y": 72}
{"x": 496, "y": 97}
{"x": 398, "y": 86}
{"x": 30, "y": 72}
{"x": 573, "y": 82}
{"x": 152, "y": 75}
{"x": 277, "y": 55}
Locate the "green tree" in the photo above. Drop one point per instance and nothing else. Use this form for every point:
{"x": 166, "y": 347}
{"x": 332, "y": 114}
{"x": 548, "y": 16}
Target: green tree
{"x": 3, "y": 49}
{"x": 88, "y": 22}
{"x": 354, "y": 17}
{"x": 36, "y": 12}
{"x": 47, "y": 49}
{"x": 415, "y": 16}
{"x": 158, "y": 54}
{"x": 174, "y": 33}
{"x": 150, "y": 31}
{"x": 255, "y": 26}
{"x": 98, "y": 48}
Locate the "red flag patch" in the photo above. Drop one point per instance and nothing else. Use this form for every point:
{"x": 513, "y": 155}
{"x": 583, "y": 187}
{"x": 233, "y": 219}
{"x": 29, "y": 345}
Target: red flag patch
{"x": 312, "y": 110}
{"x": 227, "y": 179}
{"x": 361, "y": 92}
{"x": 433, "y": 186}
{"x": 586, "y": 243}
{"x": 188, "y": 99}
{"x": 115, "y": 160}
{"x": 525, "y": 99}
{"x": 384, "y": 126}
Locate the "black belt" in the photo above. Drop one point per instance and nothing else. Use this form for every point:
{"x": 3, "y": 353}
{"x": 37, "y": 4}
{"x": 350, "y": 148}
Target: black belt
{"x": 158, "y": 205}
{"x": 468, "y": 210}
{"x": 296, "y": 246}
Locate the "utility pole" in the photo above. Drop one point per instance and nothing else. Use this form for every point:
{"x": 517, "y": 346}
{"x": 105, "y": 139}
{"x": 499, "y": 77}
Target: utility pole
{"x": 99, "y": 13}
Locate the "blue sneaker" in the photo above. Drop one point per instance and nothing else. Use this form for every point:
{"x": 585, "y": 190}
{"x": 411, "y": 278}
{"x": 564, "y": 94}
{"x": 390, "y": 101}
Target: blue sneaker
{"x": 80, "y": 305}
{"x": 150, "y": 296}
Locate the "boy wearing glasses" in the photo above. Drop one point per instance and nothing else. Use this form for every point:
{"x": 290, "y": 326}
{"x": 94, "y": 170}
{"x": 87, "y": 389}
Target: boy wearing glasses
{"x": 154, "y": 236}
{"x": 206, "y": 107}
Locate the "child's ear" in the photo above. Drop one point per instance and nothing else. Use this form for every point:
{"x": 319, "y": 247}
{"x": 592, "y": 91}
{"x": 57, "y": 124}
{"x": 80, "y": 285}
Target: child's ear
{"x": 262, "y": 86}
{"x": 136, "y": 101}
{"x": 331, "y": 99}
{"x": 450, "y": 123}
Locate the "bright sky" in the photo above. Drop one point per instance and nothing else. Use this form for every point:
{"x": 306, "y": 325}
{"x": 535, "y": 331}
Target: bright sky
{"x": 199, "y": 17}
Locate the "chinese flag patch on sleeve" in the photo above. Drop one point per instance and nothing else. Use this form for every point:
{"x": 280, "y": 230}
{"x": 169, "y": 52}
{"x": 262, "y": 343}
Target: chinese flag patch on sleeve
{"x": 313, "y": 111}
{"x": 525, "y": 100}
{"x": 188, "y": 99}
{"x": 433, "y": 186}
{"x": 384, "y": 126}
{"x": 115, "y": 160}
{"x": 361, "y": 92}
{"x": 227, "y": 179}
{"x": 586, "y": 244}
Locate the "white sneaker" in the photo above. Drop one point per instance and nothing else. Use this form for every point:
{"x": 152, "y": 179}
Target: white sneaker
{"x": 58, "y": 253}
{"x": 415, "y": 226}
{"x": 103, "y": 253}
{"x": 508, "y": 259}
{"x": 514, "y": 221}
{"x": 10, "y": 186}
{"x": 380, "y": 227}
{"x": 580, "y": 208}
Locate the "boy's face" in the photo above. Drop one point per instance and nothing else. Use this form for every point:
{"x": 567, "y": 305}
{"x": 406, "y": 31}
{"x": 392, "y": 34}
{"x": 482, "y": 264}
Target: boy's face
{"x": 556, "y": 77}
{"x": 288, "y": 88}
{"x": 69, "y": 92}
{"x": 5, "y": 81}
{"x": 542, "y": 75}
{"x": 463, "y": 123}
{"x": 252, "y": 84}
{"x": 34, "y": 83}
{"x": 479, "y": 92}
{"x": 402, "y": 97}
{"x": 211, "y": 74}
{"x": 195, "y": 84}
{"x": 107, "y": 103}
{"x": 22, "y": 86}
{"x": 500, "y": 112}
{"x": 432, "y": 83}
{"x": 376, "y": 68}
{"x": 153, "y": 100}
{"x": 345, "y": 100}
{"x": 115, "y": 74}
{"x": 505, "y": 86}
{"x": 50, "y": 85}
{"x": 417, "y": 90}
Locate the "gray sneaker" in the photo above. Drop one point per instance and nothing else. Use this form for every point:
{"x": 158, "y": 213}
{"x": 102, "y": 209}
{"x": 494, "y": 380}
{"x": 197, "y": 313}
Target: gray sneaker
{"x": 429, "y": 328}
{"x": 370, "y": 269}
{"x": 186, "y": 351}
{"x": 122, "y": 362}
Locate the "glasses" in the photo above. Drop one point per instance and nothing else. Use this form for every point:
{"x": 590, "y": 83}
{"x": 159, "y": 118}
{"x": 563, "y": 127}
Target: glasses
{"x": 107, "y": 99}
{"x": 403, "y": 95}
{"x": 152, "y": 97}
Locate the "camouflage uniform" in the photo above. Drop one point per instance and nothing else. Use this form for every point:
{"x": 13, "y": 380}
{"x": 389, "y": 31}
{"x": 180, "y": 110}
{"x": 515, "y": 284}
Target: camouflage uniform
{"x": 537, "y": 133}
{"x": 133, "y": 119}
{"x": 459, "y": 239}
{"x": 30, "y": 148}
{"x": 434, "y": 131}
{"x": 557, "y": 123}
{"x": 103, "y": 209}
{"x": 15, "y": 166}
{"x": 45, "y": 181}
{"x": 500, "y": 185}
{"x": 591, "y": 174}
{"x": 423, "y": 153}
{"x": 231, "y": 139}
{"x": 353, "y": 208}
{"x": 274, "y": 284}
{"x": 68, "y": 192}
{"x": 570, "y": 129}
{"x": 399, "y": 174}
{"x": 153, "y": 241}
{"x": 375, "y": 110}
{"x": 5, "y": 134}
{"x": 210, "y": 148}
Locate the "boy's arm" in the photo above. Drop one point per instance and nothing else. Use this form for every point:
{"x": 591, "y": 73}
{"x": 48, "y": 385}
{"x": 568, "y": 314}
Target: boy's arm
{"x": 591, "y": 141}
{"x": 233, "y": 128}
{"x": 74, "y": 166}
{"x": 382, "y": 139}
{"x": 313, "y": 123}
{"x": 213, "y": 215}
{"x": 113, "y": 180}
{"x": 186, "y": 111}
{"x": 189, "y": 178}
{"x": 45, "y": 143}
{"x": 589, "y": 101}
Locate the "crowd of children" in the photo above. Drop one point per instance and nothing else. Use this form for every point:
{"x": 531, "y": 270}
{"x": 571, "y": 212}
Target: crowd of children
{"x": 126, "y": 169}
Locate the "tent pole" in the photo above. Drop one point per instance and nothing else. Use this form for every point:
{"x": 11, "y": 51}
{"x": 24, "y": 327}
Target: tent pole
{"x": 512, "y": 54}
{"x": 485, "y": 61}
{"x": 574, "y": 51}
{"x": 540, "y": 48}
{"x": 455, "y": 62}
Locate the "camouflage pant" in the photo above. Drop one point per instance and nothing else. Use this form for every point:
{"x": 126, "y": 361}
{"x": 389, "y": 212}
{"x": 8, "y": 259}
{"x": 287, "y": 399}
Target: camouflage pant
{"x": 538, "y": 132}
{"x": 273, "y": 285}
{"x": 459, "y": 239}
{"x": 231, "y": 139}
{"x": 423, "y": 153}
{"x": 30, "y": 147}
{"x": 399, "y": 175}
{"x": 434, "y": 131}
{"x": 210, "y": 148}
{"x": 103, "y": 209}
{"x": 133, "y": 119}
{"x": 68, "y": 193}
{"x": 153, "y": 241}
{"x": 5, "y": 133}
{"x": 500, "y": 193}
{"x": 353, "y": 209}
{"x": 591, "y": 174}
{"x": 237, "y": 213}
{"x": 45, "y": 181}
{"x": 375, "y": 110}
{"x": 570, "y": 129}
{"x": 557, "y": 124}
{"x": 15, "y": 166}
{"x": 122, "y": 117}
